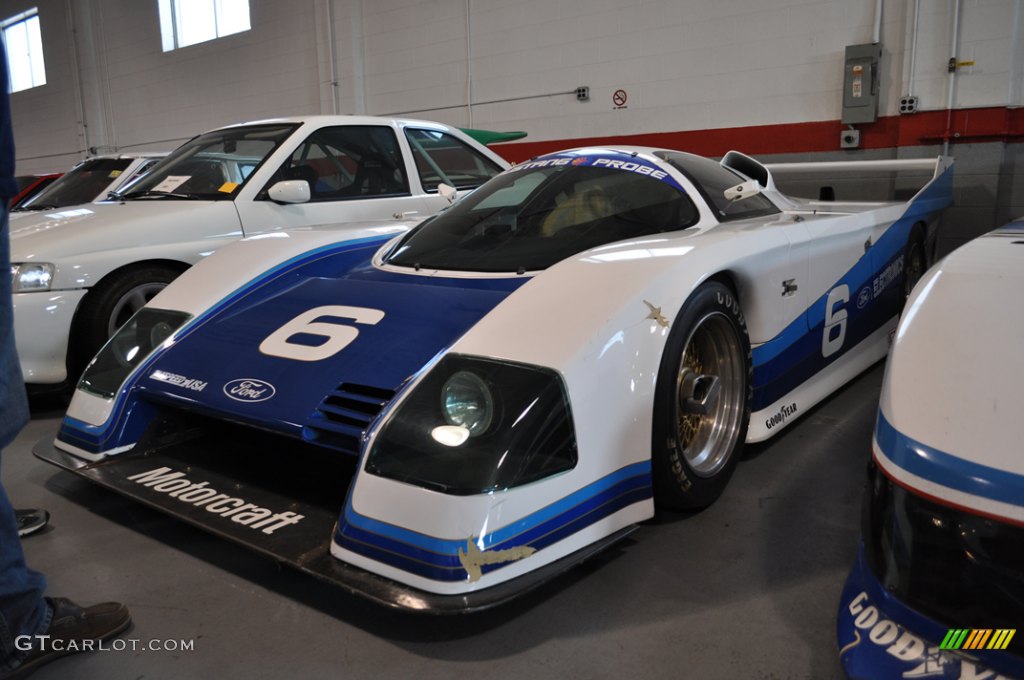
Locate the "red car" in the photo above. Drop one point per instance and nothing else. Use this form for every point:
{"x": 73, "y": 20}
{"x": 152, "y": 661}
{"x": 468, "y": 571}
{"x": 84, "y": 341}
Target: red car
{"x": 30, "y": 185}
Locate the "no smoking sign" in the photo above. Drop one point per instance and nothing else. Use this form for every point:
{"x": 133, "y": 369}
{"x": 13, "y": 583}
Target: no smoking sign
{"x": 619, "y": 98}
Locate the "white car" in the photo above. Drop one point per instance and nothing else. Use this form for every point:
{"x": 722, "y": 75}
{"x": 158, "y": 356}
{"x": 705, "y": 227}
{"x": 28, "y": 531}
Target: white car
{"x": 937, "y": 589}
{"x": 442, "y": 419}
{"x": 88, "y": 181}
{"x": 79, "y": 273}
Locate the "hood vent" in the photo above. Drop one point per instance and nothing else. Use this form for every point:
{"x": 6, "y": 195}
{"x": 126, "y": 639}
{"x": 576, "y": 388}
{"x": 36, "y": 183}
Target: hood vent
{"x": 344, "y": 415}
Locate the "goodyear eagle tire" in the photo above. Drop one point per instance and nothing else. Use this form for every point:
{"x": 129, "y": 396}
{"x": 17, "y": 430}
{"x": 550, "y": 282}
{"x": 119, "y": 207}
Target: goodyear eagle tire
{"x": 702, "y": 400}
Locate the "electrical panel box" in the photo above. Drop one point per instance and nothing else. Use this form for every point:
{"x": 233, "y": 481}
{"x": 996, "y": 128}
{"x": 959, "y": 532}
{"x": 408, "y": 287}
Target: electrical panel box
{"x": 860, "y": 83}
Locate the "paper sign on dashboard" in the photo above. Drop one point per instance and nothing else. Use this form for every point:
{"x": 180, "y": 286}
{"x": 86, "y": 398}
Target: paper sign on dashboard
{"x": 172, "y": 182}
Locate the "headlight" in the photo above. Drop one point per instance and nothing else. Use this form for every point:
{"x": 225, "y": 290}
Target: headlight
{"x": 467, "y": 402}
{"x": 129, "y": 346}
{"x": 475, "y": 425}
{"x": 29, "y": 277}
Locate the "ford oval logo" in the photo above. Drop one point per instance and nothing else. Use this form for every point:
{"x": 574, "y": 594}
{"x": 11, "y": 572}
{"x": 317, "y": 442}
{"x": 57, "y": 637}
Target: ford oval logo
{"x": 249, "y": 389}
{"x": 864, "y": 297}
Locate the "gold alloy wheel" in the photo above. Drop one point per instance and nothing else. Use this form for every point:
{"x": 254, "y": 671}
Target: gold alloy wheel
{"x": 709, "y": 394}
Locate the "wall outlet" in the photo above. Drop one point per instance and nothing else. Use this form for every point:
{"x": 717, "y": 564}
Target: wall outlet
{"x": 583, "y": 93}
{"x": 849, "y": 139}
{"x": 908, "y": 104}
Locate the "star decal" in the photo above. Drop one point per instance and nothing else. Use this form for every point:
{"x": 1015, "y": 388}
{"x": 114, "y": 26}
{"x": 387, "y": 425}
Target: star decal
{"x": 656, "y": 314}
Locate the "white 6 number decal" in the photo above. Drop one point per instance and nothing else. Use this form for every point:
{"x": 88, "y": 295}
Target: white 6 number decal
{"x": 336, "y": 335}
{"x": 835, "y": 320}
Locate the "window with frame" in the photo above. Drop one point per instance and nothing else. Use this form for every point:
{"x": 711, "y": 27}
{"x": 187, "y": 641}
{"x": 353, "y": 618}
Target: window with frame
{"x": 189, "y": 22}
{"x": 348, "y": 162}
{"x": 443, "y": 158}
{"x": 24, "y": 45}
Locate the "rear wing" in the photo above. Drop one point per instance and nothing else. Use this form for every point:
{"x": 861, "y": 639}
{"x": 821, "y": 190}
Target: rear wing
{"x": 765, "y": 173}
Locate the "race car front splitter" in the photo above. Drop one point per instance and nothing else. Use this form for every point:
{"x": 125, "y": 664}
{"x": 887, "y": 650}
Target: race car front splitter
{"x": 282, "y": 505}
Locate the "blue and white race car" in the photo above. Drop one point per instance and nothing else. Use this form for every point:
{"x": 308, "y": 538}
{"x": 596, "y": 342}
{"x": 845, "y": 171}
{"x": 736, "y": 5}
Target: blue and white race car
{"x": 937, "y": 590}
{"x": 442, "y": 420}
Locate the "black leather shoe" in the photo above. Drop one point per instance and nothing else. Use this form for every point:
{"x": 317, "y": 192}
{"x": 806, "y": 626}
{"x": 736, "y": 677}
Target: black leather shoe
{"x": 70, "y": 627}
{"x": 30, "y": 520}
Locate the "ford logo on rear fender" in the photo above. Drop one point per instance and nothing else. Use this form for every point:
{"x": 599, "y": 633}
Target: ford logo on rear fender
{"x": 249, "y": 389}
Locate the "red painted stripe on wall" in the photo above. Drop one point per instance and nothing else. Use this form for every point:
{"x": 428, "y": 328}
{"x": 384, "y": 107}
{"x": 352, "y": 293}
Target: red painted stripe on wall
{"x": 991, "y": 124}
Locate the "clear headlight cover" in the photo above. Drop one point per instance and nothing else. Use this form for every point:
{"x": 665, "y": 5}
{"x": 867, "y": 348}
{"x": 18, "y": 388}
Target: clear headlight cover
{"x": 476, "y": 425}
{"x": 467, "y": 403}
{"x": 129, "y": 346}
{"x": 30, "y": 277}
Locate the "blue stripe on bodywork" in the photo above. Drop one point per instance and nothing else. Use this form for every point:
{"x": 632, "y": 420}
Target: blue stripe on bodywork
{"x": 947, "y": 469}
{"x": 420, "y": 316}
{"x": 423, "y": 316}
{"x": 437, "y": 558}
{"x": 794, "y": 356}
{"x": 97, "y": 438}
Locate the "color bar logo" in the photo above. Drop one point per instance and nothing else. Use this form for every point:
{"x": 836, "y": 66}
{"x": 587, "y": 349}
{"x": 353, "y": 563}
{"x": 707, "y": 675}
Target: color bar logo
{"x": 978, "y": 638}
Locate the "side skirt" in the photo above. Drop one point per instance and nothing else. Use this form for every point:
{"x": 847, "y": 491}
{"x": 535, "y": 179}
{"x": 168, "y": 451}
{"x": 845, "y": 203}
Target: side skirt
{"x": 769, "y": 421}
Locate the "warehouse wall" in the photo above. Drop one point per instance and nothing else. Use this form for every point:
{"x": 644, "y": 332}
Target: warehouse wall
{"x": 706, "y": 75}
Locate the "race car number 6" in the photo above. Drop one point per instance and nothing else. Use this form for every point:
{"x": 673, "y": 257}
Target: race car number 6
{"x": 835, "y": 320}
{"x": 336, "y": 336}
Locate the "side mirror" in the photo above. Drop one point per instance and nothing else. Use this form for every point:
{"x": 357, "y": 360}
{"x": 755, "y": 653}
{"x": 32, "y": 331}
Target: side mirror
{"x": 290, "y": 191}
{"x": 741, "y": 191}
{"x": 448, "y": 191}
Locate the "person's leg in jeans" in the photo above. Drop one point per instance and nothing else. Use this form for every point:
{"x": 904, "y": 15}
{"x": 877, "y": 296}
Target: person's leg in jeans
{"x": 23, "y": 611}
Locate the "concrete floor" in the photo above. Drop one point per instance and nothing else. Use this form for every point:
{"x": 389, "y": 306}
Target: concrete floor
{"x": 746, "y": 589}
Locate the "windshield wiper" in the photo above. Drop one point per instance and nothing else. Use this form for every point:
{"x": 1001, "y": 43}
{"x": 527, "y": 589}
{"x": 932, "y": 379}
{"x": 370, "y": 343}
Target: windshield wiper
{"x": 153, "y": 193}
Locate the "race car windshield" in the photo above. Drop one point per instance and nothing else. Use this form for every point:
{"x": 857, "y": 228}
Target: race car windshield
{"x": 211, "y": 167}
{"x": 527, "y": 220}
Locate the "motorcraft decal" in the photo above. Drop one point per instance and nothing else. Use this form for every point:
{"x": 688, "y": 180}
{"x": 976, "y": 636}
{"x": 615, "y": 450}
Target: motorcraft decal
{"x": 173, "y": 483}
